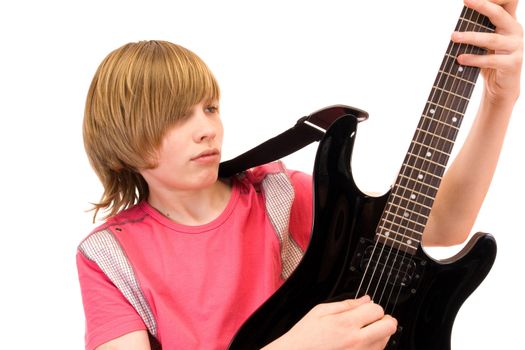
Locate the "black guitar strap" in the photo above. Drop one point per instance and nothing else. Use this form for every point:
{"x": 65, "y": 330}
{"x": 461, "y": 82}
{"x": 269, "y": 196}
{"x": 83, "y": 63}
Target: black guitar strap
{"x": 307, "y": 130}
{"x": 293, "y": 139}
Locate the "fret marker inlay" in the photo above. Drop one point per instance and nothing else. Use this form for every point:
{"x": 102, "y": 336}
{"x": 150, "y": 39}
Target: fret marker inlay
{"x": 412, "y": 196}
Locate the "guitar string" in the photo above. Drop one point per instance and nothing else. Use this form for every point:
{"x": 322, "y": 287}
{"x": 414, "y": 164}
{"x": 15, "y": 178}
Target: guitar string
{"x": 434, "y": 114}
{"x": 390, "y": 274}
{"x": 451, "y": 129}
{"x": 384, "y": 222}
{"x": 388, "y": 230}
{"x": 438, "y": 129}
{"x": 466, "y": 73}
{"x": 408, "y": 190}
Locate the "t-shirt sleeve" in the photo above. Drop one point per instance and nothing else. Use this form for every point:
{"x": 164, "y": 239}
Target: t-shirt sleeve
{"x": 301, "y": 213}
{"x": 108, "y": 314}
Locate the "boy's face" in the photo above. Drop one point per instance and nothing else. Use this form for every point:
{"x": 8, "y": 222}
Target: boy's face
{"x": 190, "y": 152}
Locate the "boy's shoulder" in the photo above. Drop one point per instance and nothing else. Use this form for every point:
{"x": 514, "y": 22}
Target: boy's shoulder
{"x": 257, "y": 174}
{"x": 128, "y": 217}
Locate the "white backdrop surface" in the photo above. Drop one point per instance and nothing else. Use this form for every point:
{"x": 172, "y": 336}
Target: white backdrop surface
{"x": 275, "y": 61}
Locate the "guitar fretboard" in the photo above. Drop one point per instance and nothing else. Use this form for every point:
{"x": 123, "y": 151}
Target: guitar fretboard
{"x": 408, "y": 208}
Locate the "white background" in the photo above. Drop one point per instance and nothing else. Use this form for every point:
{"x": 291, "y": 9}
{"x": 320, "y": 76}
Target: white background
{"x": 276, "y": 61}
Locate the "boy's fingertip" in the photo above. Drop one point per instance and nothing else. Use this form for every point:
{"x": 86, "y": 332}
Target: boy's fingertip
{"x": 365, "y": 299}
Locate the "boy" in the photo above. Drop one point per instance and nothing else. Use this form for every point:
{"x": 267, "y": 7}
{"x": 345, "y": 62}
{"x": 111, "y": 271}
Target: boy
{"x": 202, "y": 250}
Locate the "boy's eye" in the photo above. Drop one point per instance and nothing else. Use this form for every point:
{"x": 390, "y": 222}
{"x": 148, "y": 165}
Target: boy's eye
{"x": 212, "y": 109}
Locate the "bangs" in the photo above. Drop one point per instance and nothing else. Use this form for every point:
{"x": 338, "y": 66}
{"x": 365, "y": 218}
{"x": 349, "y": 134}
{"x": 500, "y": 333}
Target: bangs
{"x": 184, "y": 81}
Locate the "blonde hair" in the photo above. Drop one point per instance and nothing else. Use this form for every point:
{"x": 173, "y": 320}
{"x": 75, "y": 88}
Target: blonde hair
{"x": 138, "y": 91}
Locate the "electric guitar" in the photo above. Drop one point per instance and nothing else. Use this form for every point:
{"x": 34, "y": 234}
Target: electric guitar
{"x": 362, "y": 244}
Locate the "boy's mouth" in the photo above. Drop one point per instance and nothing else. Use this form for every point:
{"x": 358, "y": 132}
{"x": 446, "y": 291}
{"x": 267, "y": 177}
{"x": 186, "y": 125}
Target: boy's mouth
{"x": 207, "y": 155}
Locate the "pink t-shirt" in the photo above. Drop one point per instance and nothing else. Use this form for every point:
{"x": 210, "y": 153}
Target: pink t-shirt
{"x": 201, "y": 282}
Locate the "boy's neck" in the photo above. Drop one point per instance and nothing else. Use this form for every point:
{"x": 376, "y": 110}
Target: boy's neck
{"x": 193, "y": 208}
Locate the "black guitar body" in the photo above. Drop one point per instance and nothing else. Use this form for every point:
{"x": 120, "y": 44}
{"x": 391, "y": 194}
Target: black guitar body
{"x": 424, "y": 297}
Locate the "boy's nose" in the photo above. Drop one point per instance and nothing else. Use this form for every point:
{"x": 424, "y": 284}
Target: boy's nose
{"x": 205, "y": 129}
{"x": 206, "y": 134}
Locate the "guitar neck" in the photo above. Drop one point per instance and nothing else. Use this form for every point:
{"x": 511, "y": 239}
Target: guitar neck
{"x": 415, "y": 189}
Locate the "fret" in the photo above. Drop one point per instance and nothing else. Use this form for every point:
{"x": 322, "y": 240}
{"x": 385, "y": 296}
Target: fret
{"x": 433, "y": 142}
{"x": 425, "y": 159}
{"x": 474, "y": 26}
{"x": 446, "y": 108}
{"x": 450, "y": 93}
{"x": 433, "y": 155}
{"x": 410, "y": 243}
{"x": 424, "y": 165}
{"x": 454, "y": 116}
{"x": 394, "y": 230}
{"x": 424, "y": 183}
{"x": 400, "y": 246}
{"x": 454, "y": 49}
{"x": 454, "y": 76}
{"x": 427, "y": 120}
{"x": 437, "y": 134}
{"x": 399, "y": 237}
{"x": 409, "y": 182}
{"x": 398, "y": 232}
{"x": 450, "y": 64}
{"x": 411, "y": 203}
{"x": 414, "y": 193}
{"x": 422, "y": 133}
{"x": 422, "y": 146}
{"x": 423, "y": 174}
{"x": 396, "y": 217}
{"x": 457, "y": 49}
{"x": 471, "y": 16}
{"x": 452, "y": 85}
{"x": 412, "y": 213}
{"x": 455, "y": 103}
